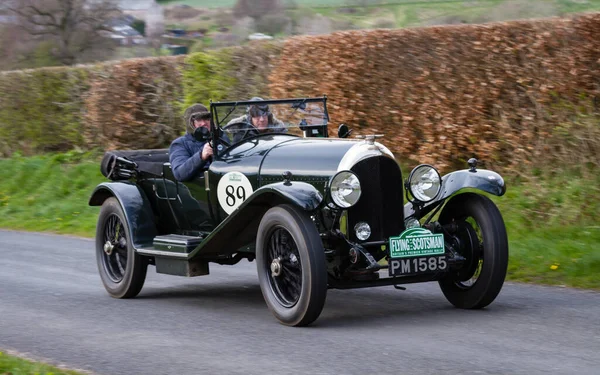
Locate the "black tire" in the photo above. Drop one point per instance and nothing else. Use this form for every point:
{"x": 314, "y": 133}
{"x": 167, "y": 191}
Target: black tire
{"x": 121, "y": 269}
{"x": 288, "y": 239}
{"x": 481, "y": 238}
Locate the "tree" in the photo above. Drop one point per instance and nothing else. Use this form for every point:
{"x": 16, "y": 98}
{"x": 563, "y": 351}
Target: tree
{"x": 76, "y": 27}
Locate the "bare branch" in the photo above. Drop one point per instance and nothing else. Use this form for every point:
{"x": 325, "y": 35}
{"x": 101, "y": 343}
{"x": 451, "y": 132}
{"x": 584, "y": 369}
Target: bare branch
{"x": 75, "y": 25}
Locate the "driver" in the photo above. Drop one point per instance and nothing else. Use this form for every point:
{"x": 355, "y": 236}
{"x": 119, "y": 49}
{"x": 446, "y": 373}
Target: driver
{"x": 259, "y": 116}
{"x": 188, "y": 156}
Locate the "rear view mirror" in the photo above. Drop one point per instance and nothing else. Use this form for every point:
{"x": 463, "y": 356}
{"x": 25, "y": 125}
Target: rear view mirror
{"x": 343, "y": 131}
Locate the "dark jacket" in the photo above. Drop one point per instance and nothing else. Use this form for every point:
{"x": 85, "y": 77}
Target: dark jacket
{"x": 185, "y": 155}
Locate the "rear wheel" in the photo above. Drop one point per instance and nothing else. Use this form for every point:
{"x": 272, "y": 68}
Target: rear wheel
{"x": 121, "y": 269}
{"x": 476, "y": 231}
{"x": 290, "y": 260}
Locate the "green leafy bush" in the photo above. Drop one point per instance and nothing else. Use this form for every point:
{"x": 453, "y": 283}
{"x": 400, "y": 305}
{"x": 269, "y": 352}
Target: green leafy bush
{"x": 41, "y": 110}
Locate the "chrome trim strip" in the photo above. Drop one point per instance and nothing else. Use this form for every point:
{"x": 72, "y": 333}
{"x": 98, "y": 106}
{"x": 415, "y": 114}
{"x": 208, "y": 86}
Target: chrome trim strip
{"x": 167, "y": 254}
{"x": 361, "y": 151}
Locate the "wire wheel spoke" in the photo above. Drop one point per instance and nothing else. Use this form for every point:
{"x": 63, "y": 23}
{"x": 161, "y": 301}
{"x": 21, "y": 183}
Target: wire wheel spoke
{"x": 472, "y": 249}
{"x": 115, "y": 249}
{"x": 284, "y": 267}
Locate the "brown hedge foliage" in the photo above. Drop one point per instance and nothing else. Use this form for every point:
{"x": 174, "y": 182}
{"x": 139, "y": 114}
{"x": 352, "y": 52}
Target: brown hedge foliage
{"x": 135, "y": 104}
{"x": 253, "y": 64}
{"x": 444, "y": 94}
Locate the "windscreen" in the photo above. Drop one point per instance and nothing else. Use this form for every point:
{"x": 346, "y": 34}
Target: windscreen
{"x": 241, "y": 121}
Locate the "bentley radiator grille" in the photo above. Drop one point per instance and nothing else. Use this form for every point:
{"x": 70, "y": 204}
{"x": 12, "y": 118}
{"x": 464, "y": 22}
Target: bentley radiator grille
{"x": 381, "y": 202}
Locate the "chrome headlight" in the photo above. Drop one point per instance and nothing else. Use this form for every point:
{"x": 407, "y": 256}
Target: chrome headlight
{"x": 424, "y": 183}
{"x": 344, "y": 189}
{"x": 362, "y": 231}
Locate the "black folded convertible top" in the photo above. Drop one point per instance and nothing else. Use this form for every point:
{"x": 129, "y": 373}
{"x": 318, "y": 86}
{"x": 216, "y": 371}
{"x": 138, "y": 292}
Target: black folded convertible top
{"x": 119, "y": 165}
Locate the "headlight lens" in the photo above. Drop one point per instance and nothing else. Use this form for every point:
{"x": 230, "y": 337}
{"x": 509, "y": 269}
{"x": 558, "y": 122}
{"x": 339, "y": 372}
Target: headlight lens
{"x": 424, "y": 183}
{"x": 345, "y": 189}
{"x": 362, "y": 230}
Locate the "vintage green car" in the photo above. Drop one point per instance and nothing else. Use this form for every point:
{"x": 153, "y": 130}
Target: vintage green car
{"x": 315, "y": 212}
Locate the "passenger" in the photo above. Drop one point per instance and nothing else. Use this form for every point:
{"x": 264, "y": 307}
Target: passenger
{"x": 260, "y": 117}
{"x": 188, "y": 156}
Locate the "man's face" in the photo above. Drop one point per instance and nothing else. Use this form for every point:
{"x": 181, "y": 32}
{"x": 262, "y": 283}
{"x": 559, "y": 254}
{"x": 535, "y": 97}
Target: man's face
{"x": 261, "y": 122}
{"x": 202, "y": 123}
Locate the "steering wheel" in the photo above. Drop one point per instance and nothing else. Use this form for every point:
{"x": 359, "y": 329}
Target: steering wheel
{"x": 240, "y": 130}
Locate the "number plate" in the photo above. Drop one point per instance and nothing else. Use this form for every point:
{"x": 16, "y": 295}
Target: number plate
{"x": 417, "y": 251}
{"x": 413, "y": 266}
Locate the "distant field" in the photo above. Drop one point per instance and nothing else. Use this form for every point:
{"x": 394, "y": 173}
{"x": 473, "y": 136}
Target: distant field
{"x": 562, "y": 5}
{"x": 314, "y": 3}
{"x": 411, "y": 13}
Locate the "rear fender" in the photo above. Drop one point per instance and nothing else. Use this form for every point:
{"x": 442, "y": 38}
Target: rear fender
{"x": 135, "y": 204}
{"x": 240, "y": 227}
{"x": 481, "y": 179}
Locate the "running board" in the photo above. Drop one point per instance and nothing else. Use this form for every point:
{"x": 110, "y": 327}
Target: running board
{"x": 171, "y": 255}
{"x": 171, "y": 246}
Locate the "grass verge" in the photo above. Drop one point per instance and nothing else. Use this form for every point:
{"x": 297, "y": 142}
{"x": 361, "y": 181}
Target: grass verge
{"x": 12, "y": 365}
{"x": 552, "y": 220}
{"x": 50, "y": 193}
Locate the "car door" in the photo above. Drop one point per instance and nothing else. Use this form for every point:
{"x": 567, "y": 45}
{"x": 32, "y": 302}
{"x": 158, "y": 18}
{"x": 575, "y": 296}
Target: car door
{"x": 188, "y": 202}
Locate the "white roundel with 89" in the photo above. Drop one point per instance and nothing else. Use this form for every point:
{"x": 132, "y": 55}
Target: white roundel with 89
{"x": 233, "y": 189}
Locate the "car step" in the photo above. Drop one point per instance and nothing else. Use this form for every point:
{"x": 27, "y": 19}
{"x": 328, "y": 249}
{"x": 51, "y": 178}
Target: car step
{"x": 171, "y": 246}
{"x": 176, "y": 243}
{"x": 171, "y": 255}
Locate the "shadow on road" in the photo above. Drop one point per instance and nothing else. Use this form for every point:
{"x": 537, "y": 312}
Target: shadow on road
{"x": 366, "y": 307}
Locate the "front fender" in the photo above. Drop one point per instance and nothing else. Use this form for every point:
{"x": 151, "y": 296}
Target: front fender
{"x": 136, "y": 207}
{"x": 481, "y": 179}
{"x": 239, "y": 228}
{"x": 300, "y": 194}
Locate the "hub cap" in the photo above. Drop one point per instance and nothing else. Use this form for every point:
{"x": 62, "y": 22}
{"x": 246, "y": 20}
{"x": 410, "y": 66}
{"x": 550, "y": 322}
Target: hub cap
{"x": 108, "y": 248}
{"x": 276, "y": 267}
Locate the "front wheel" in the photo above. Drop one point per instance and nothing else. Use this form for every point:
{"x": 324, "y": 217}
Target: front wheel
{"x": 290, "y": 261}
{"x": 121, "y": 269}
{"x": 476, "y": 231}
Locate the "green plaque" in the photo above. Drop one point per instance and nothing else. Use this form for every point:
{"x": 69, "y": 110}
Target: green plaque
{"x": 416, "y": 242}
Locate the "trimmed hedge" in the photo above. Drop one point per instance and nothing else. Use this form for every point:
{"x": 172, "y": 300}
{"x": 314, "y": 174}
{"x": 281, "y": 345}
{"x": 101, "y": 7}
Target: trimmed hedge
{"x": 507, "y": 93}
{"x": 444, "y": 94}
{"x": 41, "y": 110}
{"x": 230, "y": 73}
{"x": 135, "y": 104}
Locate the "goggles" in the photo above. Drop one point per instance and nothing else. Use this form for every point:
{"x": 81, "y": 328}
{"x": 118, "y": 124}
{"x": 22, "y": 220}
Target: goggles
{"x": 259, "y": 111}
{"x": 200, "y": 116}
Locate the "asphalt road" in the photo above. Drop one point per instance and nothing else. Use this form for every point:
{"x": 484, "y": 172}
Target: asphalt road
{"x": 53, "y": 306}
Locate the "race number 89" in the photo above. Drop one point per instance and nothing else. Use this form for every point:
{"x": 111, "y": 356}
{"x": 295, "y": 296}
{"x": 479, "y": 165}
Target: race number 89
{"x": 240, "y": 193}
{"x": 233, "y": 189}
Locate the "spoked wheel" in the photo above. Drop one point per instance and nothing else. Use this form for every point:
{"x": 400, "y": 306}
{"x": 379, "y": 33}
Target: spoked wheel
{"x": 478, "y": 234}
{"x": 285, "y": 277}
{"x": 291, "y": 266}
{"x": 121, "y": 269}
